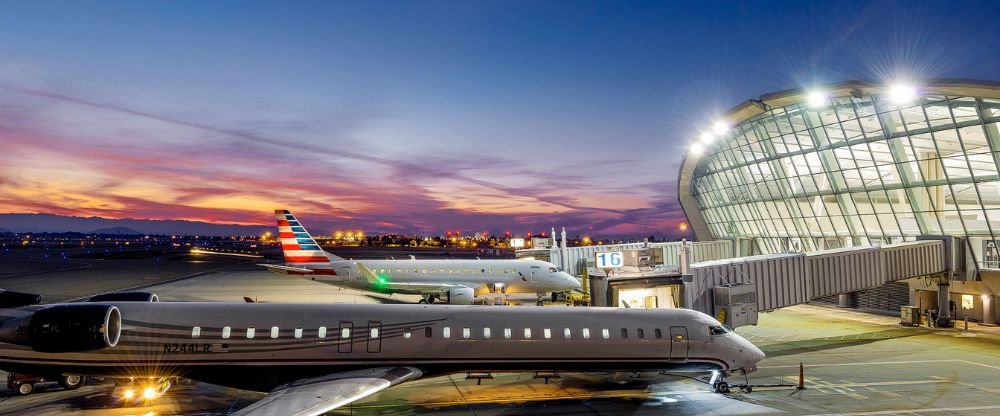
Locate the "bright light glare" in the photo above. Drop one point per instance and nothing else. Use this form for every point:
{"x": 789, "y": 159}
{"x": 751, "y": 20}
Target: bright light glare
{"x": 817, "y": 99}
{"x": 696, "y": 149}
{"x": 149, "y": 393}
{"x": 707, "y": 137}
{"x": 902, "y": 93}
{"x": 129, "y": 394}
{"x": 720, "y": 128}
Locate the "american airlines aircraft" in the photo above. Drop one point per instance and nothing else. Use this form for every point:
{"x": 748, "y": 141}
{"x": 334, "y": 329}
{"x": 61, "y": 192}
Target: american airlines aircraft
{"x": 313, "y": 358}
{"x": 452, "y": 281}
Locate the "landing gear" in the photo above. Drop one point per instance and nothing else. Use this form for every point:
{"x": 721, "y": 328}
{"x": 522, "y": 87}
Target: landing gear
{"x": 718, "y": 382}
{"x": 428, "y": 299}
{"x": 541, "y": 299}
{"x": 555, "y": 297}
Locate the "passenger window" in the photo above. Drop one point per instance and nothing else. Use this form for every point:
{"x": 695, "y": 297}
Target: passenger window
{"x": 196, "y": 332}
{"x": 486, "y": 333}
{"x": 567, "y": 333}
{"x": 446, "y": 332}
{"x": 345, "y": 333}
{"x": 322, "y": 332}
{"x": 624, "y": 333}
{"x": 373, "y": 333}
{"x": 298, "y": 332}
{"x": 527, "y": 333}
{"x": 428, "y": 332}
{"x": 658, "y": 333}
{"x": 586, "y": 333}
{"x": 466, "y": 333}
{"x": 274, "y": 332}
{"x": 639, "y": 333}
{"x": 226, "y": 331}
{"x": 547, "y": 333}
{"x": 406, "y": 334}
{"x": 506, "y": 333}
{"x": 605, "y": 333}
{"x": 250, "y": 332}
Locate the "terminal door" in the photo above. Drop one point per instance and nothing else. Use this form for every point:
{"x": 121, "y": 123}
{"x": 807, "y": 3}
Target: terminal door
{"x": 678, "y": 343}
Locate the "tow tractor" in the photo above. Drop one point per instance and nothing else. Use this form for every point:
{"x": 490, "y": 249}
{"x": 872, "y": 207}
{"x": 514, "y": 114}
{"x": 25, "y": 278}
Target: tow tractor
{"x": 24, "y": 384}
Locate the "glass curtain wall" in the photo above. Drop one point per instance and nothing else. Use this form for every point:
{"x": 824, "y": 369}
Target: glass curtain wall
{"x": 858, "y": 171}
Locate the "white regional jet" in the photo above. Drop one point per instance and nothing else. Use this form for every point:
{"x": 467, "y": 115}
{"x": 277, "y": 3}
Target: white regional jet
{"x": 313, "y": 358}
{"x": 452, "y": 281}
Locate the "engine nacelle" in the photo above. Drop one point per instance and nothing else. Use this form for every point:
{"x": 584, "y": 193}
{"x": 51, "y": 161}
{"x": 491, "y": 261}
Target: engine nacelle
{"x": 10, "y": 299}
{"x": 65, "y": 328}
{"x": 126, "y": 297}
{"x": 461, "y": 296}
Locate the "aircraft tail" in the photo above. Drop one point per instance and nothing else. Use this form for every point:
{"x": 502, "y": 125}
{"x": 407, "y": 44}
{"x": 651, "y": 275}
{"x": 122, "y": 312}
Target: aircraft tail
{"x": 297, "y": 245}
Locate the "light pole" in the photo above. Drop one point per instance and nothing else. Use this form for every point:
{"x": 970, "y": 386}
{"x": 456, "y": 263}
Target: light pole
{"x": 684, "y": 229}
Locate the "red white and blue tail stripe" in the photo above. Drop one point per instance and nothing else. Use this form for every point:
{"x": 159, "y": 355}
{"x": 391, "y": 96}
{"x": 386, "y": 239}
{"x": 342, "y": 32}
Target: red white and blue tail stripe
{"x": 300, "y": 249}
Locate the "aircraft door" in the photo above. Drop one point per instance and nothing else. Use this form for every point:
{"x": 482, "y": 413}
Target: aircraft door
{"x": 374, "y": 336}
{"x": 345, "y": 336}
{"x": 345, "y": 274}
{"x": 678, "y": 343}
{"x": 535, "y": 273}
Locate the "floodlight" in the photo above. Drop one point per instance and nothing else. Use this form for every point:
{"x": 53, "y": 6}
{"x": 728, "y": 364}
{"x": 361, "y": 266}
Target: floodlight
{"x": 817, "y": 99}
{"x": 707, "y": 137}
{"x": 720, "y": 128}
{"x": 696, "y": 149}
{"x": 902, "y": 94}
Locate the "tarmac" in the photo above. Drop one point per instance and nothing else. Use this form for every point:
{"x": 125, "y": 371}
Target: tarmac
{"x": 855, "y": 364}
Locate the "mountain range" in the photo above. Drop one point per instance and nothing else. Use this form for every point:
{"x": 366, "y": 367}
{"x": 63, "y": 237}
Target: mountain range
{"x": 51, "y": 223}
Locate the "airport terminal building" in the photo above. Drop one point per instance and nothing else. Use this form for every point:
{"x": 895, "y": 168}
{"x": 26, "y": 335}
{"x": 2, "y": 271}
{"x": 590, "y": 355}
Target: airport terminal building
{"x": 856, "y": 164}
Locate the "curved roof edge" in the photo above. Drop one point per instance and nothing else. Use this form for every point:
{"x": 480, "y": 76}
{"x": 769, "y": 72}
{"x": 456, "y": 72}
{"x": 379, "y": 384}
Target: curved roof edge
{"x": 753, "y": 107}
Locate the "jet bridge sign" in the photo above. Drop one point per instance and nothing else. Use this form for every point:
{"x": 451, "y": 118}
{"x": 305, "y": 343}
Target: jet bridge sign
{"x": 609, "y": 260}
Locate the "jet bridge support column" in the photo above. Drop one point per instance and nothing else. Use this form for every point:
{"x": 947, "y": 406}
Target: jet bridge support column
{"x": 944, "y": 306}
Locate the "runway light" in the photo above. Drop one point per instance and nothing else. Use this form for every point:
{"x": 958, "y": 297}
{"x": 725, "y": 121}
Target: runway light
{"x": 902, "y": 94}
{"x": 720, "y": 128}
{"x": 817, "y": 99}
{"x": 149, "y": 393}
{"x": 696, "y": 149}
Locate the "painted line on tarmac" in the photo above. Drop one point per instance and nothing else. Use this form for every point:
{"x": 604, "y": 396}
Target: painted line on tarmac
{"x": 923, "y": 410}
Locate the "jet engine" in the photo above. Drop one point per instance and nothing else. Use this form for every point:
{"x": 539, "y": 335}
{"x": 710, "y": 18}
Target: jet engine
{"x": 65, "y": 328}
{"x": 11, "y": 299}
{"x": 461, "y": 296}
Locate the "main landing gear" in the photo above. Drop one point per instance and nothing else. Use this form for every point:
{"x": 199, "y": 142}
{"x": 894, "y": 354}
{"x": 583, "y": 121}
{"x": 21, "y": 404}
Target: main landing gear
{"x": 428, "y": 299}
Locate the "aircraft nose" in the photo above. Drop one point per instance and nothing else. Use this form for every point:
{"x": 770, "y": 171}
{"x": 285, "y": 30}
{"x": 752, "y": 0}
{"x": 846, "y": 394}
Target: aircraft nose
{"x": 573, "y": 282}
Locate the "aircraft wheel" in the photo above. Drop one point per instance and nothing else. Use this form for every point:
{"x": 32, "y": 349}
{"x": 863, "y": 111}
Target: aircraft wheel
{"x": 431, "y": 299}
{"x": 722, "y": 387}
{"x": 555, "y": 297}
{"x": 747, "y": 389}
{"x": 422, "y": 301}
{"x": 25, "y": 389}
{"x": 540, "y": 303}
{"x": 71, "y": 382}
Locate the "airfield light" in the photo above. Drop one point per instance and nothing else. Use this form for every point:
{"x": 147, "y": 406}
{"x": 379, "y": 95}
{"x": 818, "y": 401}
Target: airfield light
{"x": 696, "y": 149}
{"x": 720, "y": 128}
{"x": 901, "y": 94}
{"x": 149, "y": 393}
{"x": 128, "y": 394}
{"x": 707, "y": 137}
{"x": 817, "y": 99}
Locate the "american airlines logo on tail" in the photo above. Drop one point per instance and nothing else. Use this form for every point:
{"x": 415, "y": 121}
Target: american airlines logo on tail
{"x": 299, "y": 248}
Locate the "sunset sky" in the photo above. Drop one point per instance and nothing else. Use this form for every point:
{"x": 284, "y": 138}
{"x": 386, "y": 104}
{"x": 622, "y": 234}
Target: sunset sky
{"x": 420, "y": 116}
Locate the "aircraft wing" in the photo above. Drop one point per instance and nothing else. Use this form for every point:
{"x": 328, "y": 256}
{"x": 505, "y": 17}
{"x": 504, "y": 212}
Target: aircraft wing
{"x": 282, "y": 269}
{"x": 411, "y": 287}
{"x": 316, "y": 396}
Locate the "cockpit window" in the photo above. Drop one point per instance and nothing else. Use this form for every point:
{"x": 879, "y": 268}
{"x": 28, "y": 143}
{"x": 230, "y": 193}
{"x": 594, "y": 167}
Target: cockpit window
{"x": 718, "y": 330}
{"x": 552, "y": 270}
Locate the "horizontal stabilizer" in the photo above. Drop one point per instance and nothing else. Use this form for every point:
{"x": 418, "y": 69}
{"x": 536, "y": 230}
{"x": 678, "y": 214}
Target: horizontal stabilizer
{"x": 282, "y": 269}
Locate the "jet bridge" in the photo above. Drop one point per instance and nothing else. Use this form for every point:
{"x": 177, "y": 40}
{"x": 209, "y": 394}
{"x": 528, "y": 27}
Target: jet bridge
{"x": 763, "y": 283}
